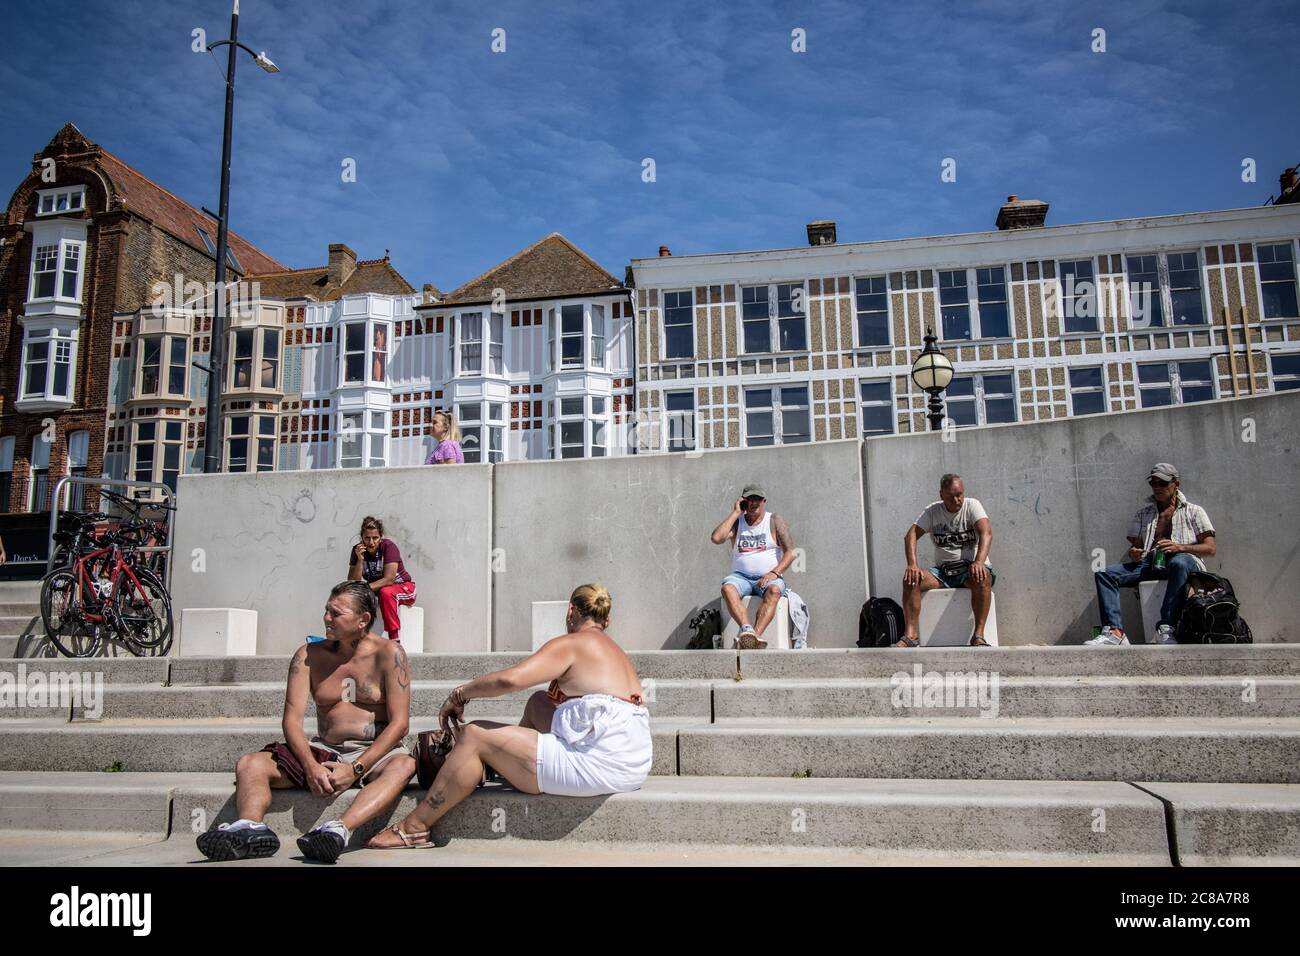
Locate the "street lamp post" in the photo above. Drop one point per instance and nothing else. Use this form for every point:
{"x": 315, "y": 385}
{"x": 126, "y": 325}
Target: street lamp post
{"x": 932, "y": 371}
{"x": 217, "y": 355}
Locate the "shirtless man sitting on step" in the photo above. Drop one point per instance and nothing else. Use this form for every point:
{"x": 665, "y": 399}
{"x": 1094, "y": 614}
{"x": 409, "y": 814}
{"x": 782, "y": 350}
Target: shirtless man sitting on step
{"x": 362, "y": 687}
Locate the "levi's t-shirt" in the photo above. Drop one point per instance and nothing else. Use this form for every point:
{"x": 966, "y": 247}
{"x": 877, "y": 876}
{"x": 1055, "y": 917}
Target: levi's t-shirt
{"x": 954, "y": 535}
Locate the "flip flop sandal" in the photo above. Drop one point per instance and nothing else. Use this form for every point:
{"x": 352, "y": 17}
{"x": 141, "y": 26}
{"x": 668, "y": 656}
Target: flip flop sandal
{"x": 908, "y": 642}
{"x": 410, "y": 841}
{"x": 977, "y": 640}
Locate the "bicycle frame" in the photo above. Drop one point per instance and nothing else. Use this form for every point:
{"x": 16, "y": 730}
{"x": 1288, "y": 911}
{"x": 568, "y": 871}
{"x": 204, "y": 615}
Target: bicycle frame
{"x": 85, "y": 580}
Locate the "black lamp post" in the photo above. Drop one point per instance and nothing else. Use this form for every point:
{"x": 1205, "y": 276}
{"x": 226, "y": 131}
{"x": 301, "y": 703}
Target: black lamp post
{"x": 217, "y": 357}
{"x": 932, "y": 371}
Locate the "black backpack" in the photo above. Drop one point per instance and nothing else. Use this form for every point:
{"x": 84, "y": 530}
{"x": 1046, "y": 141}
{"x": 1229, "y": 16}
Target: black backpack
{"x": 880, "y": 624}
{"x": 1211, "y": 614}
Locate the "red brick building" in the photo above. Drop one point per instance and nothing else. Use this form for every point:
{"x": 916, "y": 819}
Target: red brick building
{"x": 83, "y": 242}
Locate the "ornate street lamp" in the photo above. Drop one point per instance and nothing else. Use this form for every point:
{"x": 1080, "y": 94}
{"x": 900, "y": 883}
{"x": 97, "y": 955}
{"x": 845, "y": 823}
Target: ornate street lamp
{"x": 217, "y": 357}
{"x": 932, "y": 371}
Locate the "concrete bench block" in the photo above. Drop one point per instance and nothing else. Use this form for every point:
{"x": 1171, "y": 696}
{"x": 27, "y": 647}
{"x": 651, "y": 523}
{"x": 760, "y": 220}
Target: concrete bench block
{"x": 947, "y": 619}
{"x": 411, "y": 617}
{"x": 218, "y": 632}
{"x": 549, "y": 621}
{"x": 1151, "y": 594}
{"x": 777, "y": 634}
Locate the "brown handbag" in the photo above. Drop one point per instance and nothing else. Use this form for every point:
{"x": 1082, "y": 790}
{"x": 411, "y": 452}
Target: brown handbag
{"x": 431, "y": 749}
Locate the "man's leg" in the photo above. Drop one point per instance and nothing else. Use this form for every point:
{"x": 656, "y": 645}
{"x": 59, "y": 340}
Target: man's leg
{"x": 735, "y": 606}
{"x": 767, "y": 610}
{"x": 381, "y": 792}
{"x": 1109, "y": 581}
{"x": 912, "y": 602}
{"x": 255, "y": 776}
{"x": 538, "y": 713}
{"x": 510, "y": 750}
{"x": 981, "y": 597}
{"x": 1177, "y": 568}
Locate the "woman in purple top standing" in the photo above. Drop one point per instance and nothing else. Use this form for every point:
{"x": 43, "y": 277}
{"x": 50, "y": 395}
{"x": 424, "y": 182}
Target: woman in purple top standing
{"x": 447, "y": 434}
{"x": 377, "y": 561}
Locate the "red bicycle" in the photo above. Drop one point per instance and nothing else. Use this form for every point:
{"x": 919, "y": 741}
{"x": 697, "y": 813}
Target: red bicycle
{"x": 106, "y": 592}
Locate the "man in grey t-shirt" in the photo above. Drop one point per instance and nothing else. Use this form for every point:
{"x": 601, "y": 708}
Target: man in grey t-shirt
{"x": 962, "y": 535}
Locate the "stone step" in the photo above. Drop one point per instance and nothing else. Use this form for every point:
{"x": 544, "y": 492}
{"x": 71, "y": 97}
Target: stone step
{"x": 19, "y": 624}
{"x": 26, "y": 609}
{"x": 1257, "y": 660}
{"x": 978, "y": 819}
{"x": 17, "y": 592}
{"x": 1219, "y": 750}
{"x": 1233, "y": 824}
{"x": 655, "y": 665}
{"x": 152, "y": 702}
{"x": 210, "y": 746}
{"x": 976, "y": 693}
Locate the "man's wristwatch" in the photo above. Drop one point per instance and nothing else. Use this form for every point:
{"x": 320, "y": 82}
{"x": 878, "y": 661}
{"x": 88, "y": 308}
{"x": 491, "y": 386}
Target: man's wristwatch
{"x": 358, "y": 770}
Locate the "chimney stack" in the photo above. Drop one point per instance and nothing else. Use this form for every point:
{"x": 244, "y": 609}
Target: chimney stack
{"x": 1290, "y": 183}
{"x": 1019, "y": 213}
{"x": 343, "y": 262}
{"x": 821, "y": 232}
{"x": 663, "y": 252}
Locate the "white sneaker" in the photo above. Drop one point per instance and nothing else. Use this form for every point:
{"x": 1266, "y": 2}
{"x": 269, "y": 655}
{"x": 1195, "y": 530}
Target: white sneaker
{"x": 1109, "y": 637}
{"x": 1165, "y": 635}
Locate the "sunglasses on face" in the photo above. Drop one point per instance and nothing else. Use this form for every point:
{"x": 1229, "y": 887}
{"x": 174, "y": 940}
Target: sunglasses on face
{"x": 1157, "y": 483}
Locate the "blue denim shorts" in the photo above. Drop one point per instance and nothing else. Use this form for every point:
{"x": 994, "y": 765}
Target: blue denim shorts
{"x": 745, "y": 585}
{"x": 959, "y": 580}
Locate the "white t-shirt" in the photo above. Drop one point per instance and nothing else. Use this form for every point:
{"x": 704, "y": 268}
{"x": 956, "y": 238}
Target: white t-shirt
{"x": 954, "y": 534}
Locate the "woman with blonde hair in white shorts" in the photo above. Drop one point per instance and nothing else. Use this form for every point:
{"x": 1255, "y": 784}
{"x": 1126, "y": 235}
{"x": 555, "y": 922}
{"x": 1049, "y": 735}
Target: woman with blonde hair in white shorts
{"x": 586, "y": 735}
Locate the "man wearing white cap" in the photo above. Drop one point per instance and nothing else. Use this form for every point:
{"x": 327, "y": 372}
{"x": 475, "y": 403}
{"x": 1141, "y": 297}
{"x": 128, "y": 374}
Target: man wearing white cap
{"x": 762, "y": 548}
{"x": 1167, "y": 540}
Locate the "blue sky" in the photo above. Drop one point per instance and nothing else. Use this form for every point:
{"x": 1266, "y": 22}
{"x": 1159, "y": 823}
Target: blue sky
{"x": 464, "y": 156}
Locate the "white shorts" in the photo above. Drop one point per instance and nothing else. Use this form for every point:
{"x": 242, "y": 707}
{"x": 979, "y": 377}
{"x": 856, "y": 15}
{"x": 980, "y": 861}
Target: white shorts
{"x": 598, "y": 744}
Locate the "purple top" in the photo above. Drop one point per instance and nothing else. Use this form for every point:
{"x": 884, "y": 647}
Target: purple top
{"x": 447, "y": 450}
{"x": 372, "y": 566}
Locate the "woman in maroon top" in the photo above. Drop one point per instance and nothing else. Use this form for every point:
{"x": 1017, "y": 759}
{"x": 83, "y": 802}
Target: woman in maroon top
{"x": 377, "y": 561}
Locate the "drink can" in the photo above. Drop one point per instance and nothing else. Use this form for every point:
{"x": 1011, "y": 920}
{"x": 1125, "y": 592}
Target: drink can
{"x": 1159, "y": 560}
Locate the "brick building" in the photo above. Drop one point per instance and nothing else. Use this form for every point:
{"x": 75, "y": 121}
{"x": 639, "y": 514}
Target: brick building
{"x": 1041, "y": 322}
{"x": 83, "y": 243}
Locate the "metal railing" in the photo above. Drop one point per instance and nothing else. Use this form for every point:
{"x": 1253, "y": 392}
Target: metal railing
{"x": 119, "y": 482}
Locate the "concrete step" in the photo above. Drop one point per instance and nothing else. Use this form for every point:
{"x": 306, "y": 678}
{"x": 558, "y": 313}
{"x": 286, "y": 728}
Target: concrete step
{"x": 19, "y": 592}
{"x": 976, "y": 693}
{"x": 1258, "y": 660}
{"x": 213, "y": 745}
{"x": 250, "y": 701}
{"x": 26, "y": 609}
{"x": 1234, "y": 824}
{"x": 17, "y": 625}
{"x": 653, "y": 665}
{"x": 1220, "y": 750}
{"x": 988, "y": 819}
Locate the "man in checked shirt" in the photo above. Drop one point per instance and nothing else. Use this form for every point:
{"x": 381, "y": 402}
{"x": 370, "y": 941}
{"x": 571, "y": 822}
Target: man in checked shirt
{"x": 1167, "y": 530}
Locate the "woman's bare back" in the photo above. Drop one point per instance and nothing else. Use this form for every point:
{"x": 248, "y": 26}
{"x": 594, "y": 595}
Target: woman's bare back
{"x": 599, "y": 667}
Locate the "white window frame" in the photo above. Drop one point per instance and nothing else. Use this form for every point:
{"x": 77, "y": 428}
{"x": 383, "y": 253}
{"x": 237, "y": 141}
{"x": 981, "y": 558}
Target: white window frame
{"x": 1295, "y": 278}
{"x": 40, "y": 467}
{"x": 973, "y": 311}
{"x": 1069, "y": 302}
{"x": 166, "y": 366}
{"x": 778, "y": 412}
{"x": 562, "y": 417}
{"x": 65, "y": 250}
{"x": 863, "y": 404}
{"x": 675, "y": 423}
{"x": 663, "y": 325}
{"x": 74, "y": 200}
{"x": 1175, "y": 383}
{"x": 158, "y": 446}
{"x": 487, "y": 428}
{"x": 979, "y": 396}
{"x": 256, "y": 436}
{"x": 889, "y": 318}
{"x": 1291, "y": 380}
{"x": 56, "y": 337}
{"x": 256, "y": 359}
{"x": 1087, "y": 389}
{"x": 775, "y": 318}
{"x": 1165, "y": 291}
{"x": 598, "y": 423}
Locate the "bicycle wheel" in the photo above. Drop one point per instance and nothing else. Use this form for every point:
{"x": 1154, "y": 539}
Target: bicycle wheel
{"x": 61, "y": 613}
{"x": 143, "y": 615}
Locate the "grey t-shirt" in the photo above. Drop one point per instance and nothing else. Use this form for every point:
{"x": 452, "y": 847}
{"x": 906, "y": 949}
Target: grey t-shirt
{"x": 954, "y": 534}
